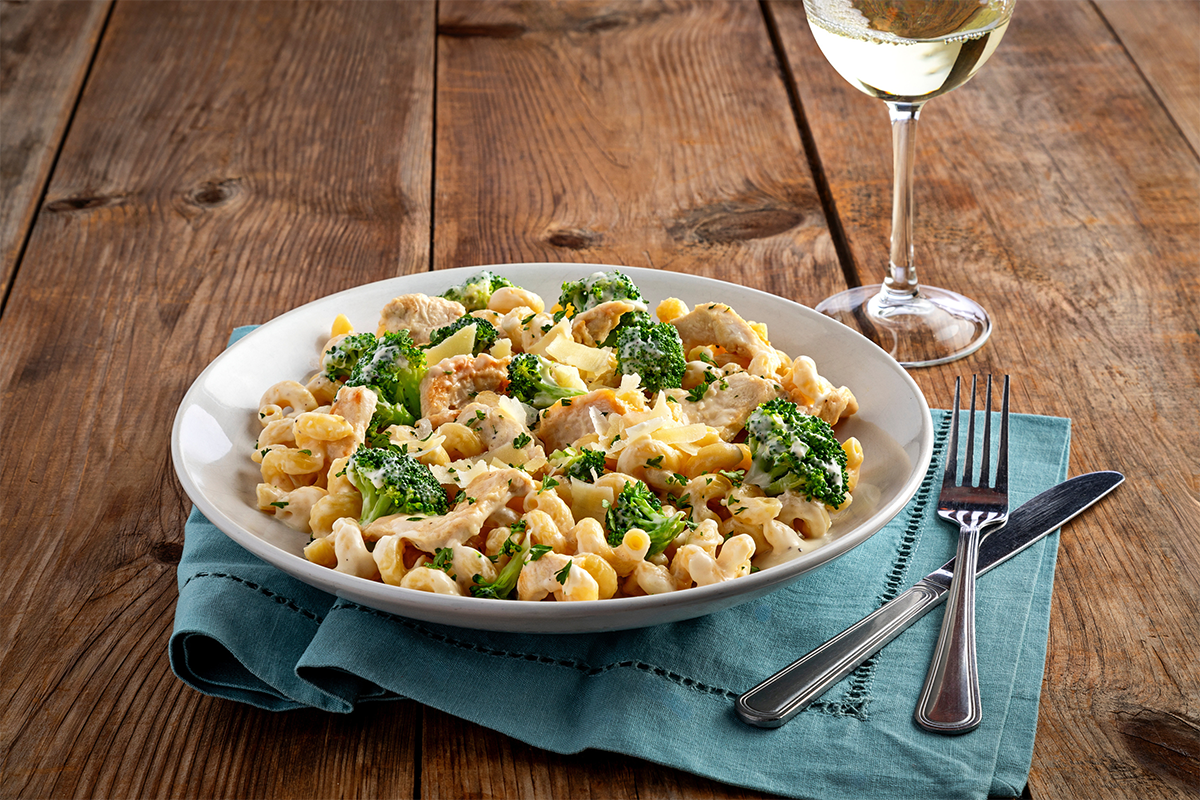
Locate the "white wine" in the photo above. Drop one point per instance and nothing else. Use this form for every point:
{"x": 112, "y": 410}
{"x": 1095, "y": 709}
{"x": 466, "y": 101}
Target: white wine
{"x": 908, "y": 50}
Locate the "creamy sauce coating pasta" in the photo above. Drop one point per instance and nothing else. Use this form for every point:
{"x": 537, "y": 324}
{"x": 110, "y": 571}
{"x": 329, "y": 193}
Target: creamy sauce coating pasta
{"x": 494, "y": 455}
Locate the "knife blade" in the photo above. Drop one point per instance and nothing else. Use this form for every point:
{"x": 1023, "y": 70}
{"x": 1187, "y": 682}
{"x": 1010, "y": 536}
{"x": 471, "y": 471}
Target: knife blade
{"x": 789, "y": 691}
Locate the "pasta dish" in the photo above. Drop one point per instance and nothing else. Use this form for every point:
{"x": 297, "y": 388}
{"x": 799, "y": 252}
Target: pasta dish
{"x": 479, "y": 443}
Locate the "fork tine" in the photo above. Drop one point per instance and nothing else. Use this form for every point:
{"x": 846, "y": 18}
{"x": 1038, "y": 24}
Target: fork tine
{"x": 985, "y": 463}
{"x": 968, "y": 476}
{"x": 1002, "y": 456}
{"x": 950, "y": 471}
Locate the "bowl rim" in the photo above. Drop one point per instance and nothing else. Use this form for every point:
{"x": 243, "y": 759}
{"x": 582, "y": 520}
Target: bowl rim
{"x": 580, "y": 616}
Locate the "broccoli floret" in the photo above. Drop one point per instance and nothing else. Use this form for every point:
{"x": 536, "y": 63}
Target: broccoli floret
{"x": 393, "y": 370}
{"x": 485, "y": 333}
{"x": 506, "y": 578}
{"x": 627, "y": 320}
{"x": 530, "y": 380}
{"x": 597, "y": 288}
{"x": 794, "y": 451}
{"x": 386, "y": 415}
{"x": 586, "y": 464}
{"x": 339, "y": 360}
{"x": 475, "y": 292}
{"x": 392, "y": 482}
{"x": 654, "y": 352}
{"x": 638, "y": 507}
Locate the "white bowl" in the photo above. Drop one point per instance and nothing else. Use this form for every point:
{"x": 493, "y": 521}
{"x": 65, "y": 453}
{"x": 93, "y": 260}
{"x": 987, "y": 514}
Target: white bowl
{"x": 216, "y": 428}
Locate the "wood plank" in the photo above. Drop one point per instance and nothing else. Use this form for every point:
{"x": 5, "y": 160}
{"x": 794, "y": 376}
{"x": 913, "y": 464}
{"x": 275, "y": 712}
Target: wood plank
{"x": 462, "y": 759}
{"x": 1056, "y": 189}
{"x": 617, "y": 132}
{"x": 1162, "y": 36}
{"x": 45, "y": 49}
{"x": 251, "y": 157}
{"x": 614, "y": 132}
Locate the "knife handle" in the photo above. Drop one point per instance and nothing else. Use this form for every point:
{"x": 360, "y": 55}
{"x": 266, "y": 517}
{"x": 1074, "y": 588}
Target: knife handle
{"x": 789, "y": 691}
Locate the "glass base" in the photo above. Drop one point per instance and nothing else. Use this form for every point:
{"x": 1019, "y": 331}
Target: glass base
{"x": 934, "y": 327}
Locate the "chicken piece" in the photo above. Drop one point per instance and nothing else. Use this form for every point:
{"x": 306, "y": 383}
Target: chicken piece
{"x": 498, "y": 422}
{"x": 718, "y": 324}
{"x": 597, "y": 323}
{"x": 487, "y": 494}
{"x": 562, "y": 424}
{"x": 453, "y": 382}
{"x": 728, "y": 402}
{"x": 524, "y": 327}
{"x": 419, "y": 314}
{"x": 356, "y": 405}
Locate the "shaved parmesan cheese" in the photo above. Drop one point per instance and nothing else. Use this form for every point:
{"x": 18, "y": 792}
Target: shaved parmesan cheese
{"x": 645, "y": 428}
{"x": 584, "y": 358}
{"x": 568, "y": 377}
{"x": 501, "y": 349}
{"x": 460, "y": 343}
{"x": 561, "y": 330}
{"x": 460, "y": 473}
{"x": 599, "y": 422}
{"x": 682, "y": 434}
{"x": 511, "y": 407}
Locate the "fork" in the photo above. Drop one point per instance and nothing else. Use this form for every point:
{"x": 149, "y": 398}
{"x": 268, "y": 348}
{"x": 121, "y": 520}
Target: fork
{"x": 949, "y": 701}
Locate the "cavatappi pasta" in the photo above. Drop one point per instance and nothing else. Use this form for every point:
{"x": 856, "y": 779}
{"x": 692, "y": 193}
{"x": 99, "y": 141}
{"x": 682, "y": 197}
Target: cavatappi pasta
{"x": 511, "y": 509}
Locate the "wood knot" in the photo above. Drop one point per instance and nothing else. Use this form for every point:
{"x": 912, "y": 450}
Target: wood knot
{"x": 1163, "y": 743}
{"x": 572, "y": 238}
{"x": 166, "y": 552}
{"x": 735, "y": 220}
{"x": 458, "y": 29}
{"x": 214, "y": 193}
{"x": 82, "y": 203}
{"x": 627, "y": 17}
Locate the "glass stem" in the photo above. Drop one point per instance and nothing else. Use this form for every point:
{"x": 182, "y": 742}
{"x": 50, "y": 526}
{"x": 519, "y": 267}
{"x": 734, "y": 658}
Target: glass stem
{"x": 901, "y": 283}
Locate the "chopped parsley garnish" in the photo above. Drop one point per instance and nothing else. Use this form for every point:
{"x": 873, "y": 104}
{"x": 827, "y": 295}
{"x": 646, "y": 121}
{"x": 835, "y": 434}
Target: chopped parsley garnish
{"x": 735, "y": 477}
{"x": 697, "y": 392}
{"x": 441, "y": 559}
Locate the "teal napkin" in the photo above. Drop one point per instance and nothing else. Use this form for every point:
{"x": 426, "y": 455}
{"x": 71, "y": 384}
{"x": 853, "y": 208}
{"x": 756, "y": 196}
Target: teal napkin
{"x": 247, "y": 632}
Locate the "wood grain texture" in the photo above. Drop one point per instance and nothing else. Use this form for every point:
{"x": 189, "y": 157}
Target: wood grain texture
{"x": 45, "y": 49}
{"x": 1056, "y": 189}
{"x": 464, "y": 760}
{"x": 228, "y": 161}
{"x": 614, "y": 132}
{"x": 1163, "y": 39}
{"x": 617, "y": 132}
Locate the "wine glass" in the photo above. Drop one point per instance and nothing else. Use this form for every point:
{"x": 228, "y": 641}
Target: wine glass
{"x": 905, "y": 52}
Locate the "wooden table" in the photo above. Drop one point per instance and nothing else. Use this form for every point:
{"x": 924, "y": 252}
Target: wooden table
{"x": 171, "y": 170}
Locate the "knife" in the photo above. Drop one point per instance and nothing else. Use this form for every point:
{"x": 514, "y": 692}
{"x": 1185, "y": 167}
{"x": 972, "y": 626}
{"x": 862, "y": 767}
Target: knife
{"x": 789, "y": 691}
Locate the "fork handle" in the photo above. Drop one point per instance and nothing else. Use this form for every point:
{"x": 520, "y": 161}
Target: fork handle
{"x": 949, "y": 702}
